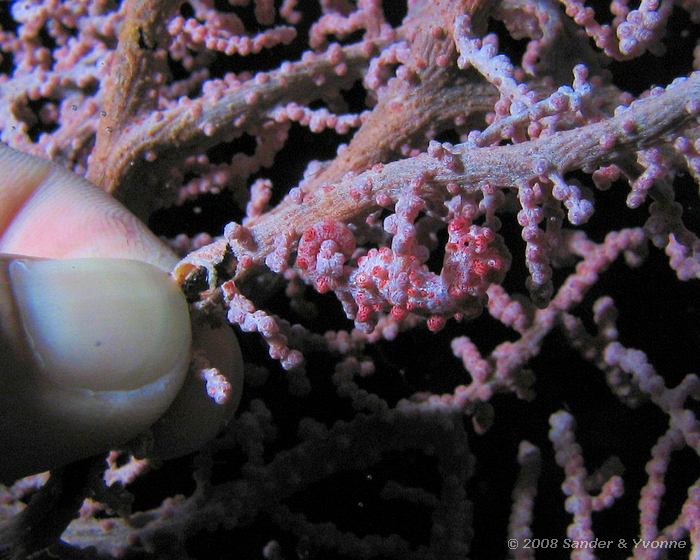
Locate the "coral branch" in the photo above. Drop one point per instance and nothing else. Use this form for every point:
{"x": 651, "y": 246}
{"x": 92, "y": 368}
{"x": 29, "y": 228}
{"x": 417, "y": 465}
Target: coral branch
{"x": 641, "y": 124}
{"x": 206, "y": 121}
{"x": 135, "y": 70}
{"x": 433, "y": 225}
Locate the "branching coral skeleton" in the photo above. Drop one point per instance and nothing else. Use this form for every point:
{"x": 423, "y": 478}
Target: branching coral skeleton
{"x": 401, "y": 232}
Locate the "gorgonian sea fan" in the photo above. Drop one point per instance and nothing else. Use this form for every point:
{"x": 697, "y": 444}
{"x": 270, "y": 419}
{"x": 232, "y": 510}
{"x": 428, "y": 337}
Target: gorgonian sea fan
{"x": 445, "y": 232}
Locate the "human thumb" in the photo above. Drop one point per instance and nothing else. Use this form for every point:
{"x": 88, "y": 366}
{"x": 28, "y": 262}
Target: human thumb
{"x": 92, "y": 352}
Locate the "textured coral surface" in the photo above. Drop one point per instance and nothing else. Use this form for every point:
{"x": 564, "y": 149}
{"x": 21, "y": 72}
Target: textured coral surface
{"x": 458, "y": 240}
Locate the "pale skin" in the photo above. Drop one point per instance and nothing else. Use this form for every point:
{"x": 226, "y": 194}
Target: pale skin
{"x": 93, "y": 350}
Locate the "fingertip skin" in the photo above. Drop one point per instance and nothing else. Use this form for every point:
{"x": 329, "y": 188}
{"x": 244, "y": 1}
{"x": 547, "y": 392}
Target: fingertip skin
{"x": 53, "y": 213}
{"x": 21, "y": 175}
{"x": 194, "y": 418}
{"x": 101, "y": 324}
{"x": 50, "y": 412}
{"x": 93, "y": 352}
